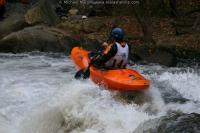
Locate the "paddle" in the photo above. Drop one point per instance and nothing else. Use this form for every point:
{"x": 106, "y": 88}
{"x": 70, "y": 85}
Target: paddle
{"x": 85, "y": 72}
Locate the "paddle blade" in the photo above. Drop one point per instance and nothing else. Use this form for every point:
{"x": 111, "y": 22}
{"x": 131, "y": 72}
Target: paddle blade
{"x": 82, "y": 74}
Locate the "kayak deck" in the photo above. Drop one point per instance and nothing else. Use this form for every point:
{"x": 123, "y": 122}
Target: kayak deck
{"x": 118, "y": 79}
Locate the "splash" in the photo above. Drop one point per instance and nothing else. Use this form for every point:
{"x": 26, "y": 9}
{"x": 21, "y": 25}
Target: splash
{"x": 39, "y": 95}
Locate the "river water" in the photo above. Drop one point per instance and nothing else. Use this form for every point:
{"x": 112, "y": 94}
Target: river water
{"x": 39, "y": 95}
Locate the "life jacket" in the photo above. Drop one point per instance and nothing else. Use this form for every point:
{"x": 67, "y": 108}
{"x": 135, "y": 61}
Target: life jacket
{"x": 2, "y": 2}
{"x": 120, "y": 59}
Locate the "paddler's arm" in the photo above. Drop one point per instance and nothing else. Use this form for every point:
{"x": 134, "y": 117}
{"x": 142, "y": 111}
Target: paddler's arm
{"x": 106, "y": 55}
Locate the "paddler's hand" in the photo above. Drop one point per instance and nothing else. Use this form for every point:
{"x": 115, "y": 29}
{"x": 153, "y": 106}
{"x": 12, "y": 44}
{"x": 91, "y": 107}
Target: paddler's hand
{"x": 105, "y": 44}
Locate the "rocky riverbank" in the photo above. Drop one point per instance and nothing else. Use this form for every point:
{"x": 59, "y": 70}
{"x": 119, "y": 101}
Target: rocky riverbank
{"x": 40, "y": 27}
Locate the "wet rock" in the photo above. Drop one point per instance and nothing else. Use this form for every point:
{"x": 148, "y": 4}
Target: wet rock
{"x": 42, "y": 12}
{"x": 15, "y": 8}
{"x": 87, "y": 25}
{"x": 73, "y": 11}
{"x": 187, "y": 53}
{"x": 169, "y": 94}
{"x": 13, "y": 23}
{"x": 45, "y": 39}
{"x": 173, "y": 123}
{"x": 40, "y": 38}
{"x": 181, "y": 51}
{"x": 187, "y": 24}
{"x": 146, "y": 53}
{"x": 87, "y": 30}
{"x": 14, "y": 19}
{"x": 92, "y": 25}
{"x": 162, "y": 57}
{"x": 74, "y": 25}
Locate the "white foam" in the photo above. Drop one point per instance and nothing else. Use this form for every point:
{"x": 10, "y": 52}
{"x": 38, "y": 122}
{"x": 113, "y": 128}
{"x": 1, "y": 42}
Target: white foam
{"x": 89, "y": 109}
{"x": 188, "y": 107}
{"x": 37, "y": 96}
{"x": 187, "y": 83}
{"x": 26, "y": 82}
{"x": 42, "y": 120}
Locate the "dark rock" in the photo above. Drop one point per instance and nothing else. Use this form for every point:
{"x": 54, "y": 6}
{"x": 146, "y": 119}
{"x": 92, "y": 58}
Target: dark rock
{"x": 92, "y": 25}
{"x": 42, "y": 12}
{"x": 71, "y": 24}
{"x": 2, "y": 11}
{"x": 154, "y": 54}
{"x": 87, "y": 25}
{"x": 187, "y": 53}
{"x": 45, "y": 39}
{"x": 40, "y": 38}
{"x": 173, "y": 123}
{"x": 12, "y": 23}
{"x": 61, "y": 12}
{"x": 181, "y": 51}
{"x": 169, "y": 94}
{"x": 187, "y": 24}
{"x": 16, "y": 8}
{"x": 14, "y": 19}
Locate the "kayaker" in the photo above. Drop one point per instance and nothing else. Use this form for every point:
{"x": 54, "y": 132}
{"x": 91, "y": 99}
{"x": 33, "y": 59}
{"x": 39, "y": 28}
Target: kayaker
{"x": 115, "y": 54}
{"x": 2, "y": 8}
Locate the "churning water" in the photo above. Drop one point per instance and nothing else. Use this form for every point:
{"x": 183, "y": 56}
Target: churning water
{"x": 39, "y": 95}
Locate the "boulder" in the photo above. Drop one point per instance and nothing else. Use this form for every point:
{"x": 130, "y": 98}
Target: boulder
{"x": 92, "y": 25}
{"x": 180, "y": 51}
{"x": 80, "y": 23}
{"x": 15, "y": 8}
{"x": 41, "y": 12}
{"x": 73, "y": 11}
{"x": 14, "y": 19}
{"x": 39, "y": 38}
{"x": 45, "y": 39}
{"x": 74, "y": 25}
{"x": 147, "y": 54}
{"x": 172, "y": 123}
{"x": 12, "y": 23}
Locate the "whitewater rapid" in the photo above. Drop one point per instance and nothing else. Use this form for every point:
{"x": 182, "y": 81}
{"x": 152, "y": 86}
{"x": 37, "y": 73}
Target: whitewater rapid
{"x": 38, "y": 94}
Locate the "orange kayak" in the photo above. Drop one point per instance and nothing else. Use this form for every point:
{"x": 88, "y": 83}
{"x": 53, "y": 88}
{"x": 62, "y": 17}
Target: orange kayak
{"x": 119, "y": 79}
